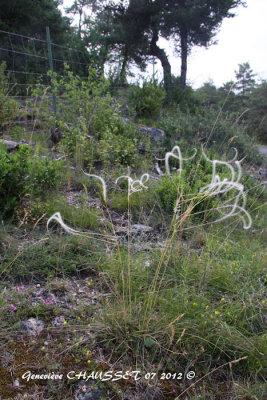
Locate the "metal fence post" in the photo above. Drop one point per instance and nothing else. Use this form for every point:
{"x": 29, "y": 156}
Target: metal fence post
{"x": 52, "y": 69}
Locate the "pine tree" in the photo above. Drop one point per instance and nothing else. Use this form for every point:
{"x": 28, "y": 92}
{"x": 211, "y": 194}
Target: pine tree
{"x": 244, "y": 79}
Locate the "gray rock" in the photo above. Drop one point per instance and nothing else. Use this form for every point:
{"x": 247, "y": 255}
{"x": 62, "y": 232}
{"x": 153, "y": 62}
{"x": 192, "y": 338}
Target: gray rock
{"x": 156, "y": 135}
{"x": 56, "y": 135}
{"x": 89, "y": 391}
{"x": 135, "y": 229}
{"x": 262, "y": 149}
{"x": 125, "y": 121}
{"x": 11, "y": 145}
{"x": 58, "y": 321}
{"x": 262, "y": 173}
{"x": 32, "y": 327}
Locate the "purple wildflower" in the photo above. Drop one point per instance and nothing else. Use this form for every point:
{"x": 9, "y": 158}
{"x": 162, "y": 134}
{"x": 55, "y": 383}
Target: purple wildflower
{"x": 51, "y": 299}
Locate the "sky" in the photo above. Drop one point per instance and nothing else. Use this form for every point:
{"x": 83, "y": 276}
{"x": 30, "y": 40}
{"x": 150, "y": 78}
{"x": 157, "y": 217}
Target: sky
{"x": 240, "y": 39}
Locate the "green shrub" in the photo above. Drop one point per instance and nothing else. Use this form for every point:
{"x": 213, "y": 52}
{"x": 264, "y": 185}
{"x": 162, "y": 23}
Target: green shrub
{"x": 20, "y": 174}
{"x": 90, "y": 121}
{"x": 187, "y": 99}
{"x": 43, "y": 174}
{"x": 14, "y": 169}
{"x": 204, "y": 126}
{"x": 117, "y": 148}
{"x": 196, "y": 174}
{"x": 147, "y": 100}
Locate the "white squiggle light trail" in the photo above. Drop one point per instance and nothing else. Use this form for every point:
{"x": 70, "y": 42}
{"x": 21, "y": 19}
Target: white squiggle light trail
{"x": 218, "y": 186}
{"x": 140, "y": 182}
{"x": 215, "y": 187}
{"x": 57, "y": 217}
{"x": 178, "y": 156}
{"x": 104, "y": 186}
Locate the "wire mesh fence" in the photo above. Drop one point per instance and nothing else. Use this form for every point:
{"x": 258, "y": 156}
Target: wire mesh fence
{"x": 25, "y": 62}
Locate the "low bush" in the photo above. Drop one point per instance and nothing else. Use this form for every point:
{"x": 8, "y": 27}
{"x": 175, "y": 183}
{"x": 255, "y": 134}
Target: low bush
{"x": 21, "y": 174}
{"x": 147, "y": 100}
{"x": 205, "y": 126}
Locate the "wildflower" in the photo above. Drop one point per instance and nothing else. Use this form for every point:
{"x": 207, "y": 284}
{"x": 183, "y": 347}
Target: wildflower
{"x": 51, "y": 299}
{"x": 222, "y": 299}
{"x": 43, "y": 348}
{"x": 202, "y": 349}
{"x": 64, "y": 323}
{"x": 88, "y": 361}
{"x": 13, "y": 307}
{"x": 216, "y": 312}
{"x": 17, "y": 288}
{"x": 195, "y": 304}
{"x": 207, "y": 307}
{"x": 263, "y": 302}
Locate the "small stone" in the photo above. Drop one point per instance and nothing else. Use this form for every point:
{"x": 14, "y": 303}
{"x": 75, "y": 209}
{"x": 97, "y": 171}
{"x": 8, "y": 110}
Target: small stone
{"x": 89, "y": 391}
{"x": 58, "y": 322}
{"x": 16, "y": 383}
{"x": 155, "y": 134}
{"x": 32, "y": 327}
{"x": 135, "y": 229}
{"x": 262, "y": 172}
{"x": 11, "y": 145}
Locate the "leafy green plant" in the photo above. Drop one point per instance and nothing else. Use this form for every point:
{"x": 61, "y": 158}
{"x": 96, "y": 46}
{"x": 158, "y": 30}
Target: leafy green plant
{"x": 117, "y": 148}
{"x": 21, "y": 174}
{"x": 90, "y": 121}
{"x": 184, "y": 189}
{"x": 14, "y": 168}
{"x": 187, "y": 99}
{"x": 148, "y": 99}
{"x": 44, "y": 173}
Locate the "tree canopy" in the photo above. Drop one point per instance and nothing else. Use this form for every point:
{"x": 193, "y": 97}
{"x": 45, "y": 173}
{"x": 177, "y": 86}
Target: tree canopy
{"x": 137, "y": 25}
{"x": 30, "y": 18}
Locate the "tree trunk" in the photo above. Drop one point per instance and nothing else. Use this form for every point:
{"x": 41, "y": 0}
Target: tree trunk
{"x": 161, "y": 55}
{"x": 80, "y": 23}
{"x": 122, "y": 77}
{"x": 184, "y": 53}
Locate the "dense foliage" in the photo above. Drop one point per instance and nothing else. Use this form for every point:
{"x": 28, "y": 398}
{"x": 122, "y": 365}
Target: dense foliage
{"x": 132, "y": 255}
{"x": 20, "y": 175}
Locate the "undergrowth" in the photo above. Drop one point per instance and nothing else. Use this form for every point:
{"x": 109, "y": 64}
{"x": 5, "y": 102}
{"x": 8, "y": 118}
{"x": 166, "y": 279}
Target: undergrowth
{"x": 180, "y": 293}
